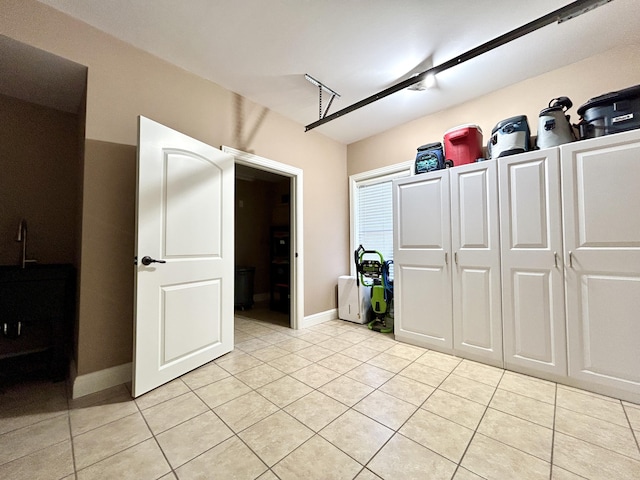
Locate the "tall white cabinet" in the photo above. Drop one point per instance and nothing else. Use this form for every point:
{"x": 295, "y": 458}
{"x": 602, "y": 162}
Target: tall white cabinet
{"x": 601, "y": 212}
{"x": 548, "y": 283}
{"x": 532, "y": 268}
{"x": 447, "y": 261}
{"x": 475, "y": 279}
{"x": 421, "y": 256}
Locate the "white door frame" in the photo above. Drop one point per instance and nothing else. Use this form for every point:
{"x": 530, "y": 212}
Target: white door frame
{"x": 297, "y": 251}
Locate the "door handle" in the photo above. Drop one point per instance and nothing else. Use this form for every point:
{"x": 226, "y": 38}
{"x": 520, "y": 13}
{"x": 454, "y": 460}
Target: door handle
{"x": 555, "y": 259}
{"x": 446, "y": 258}
{"x": 455, "y": 257}
{"x": 570, "y": 259}
{"x": 148, "y": 261}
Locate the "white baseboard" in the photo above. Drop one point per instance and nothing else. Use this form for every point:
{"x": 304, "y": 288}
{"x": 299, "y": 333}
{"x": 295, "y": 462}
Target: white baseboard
{"x": 111, "y": 377}
{"x": 318, "y": 318}
{"x": 101, "y": 380}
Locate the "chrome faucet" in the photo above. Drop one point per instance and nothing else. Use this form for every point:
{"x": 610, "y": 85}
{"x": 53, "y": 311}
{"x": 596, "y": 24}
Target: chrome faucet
{"x": 22, "y": 237}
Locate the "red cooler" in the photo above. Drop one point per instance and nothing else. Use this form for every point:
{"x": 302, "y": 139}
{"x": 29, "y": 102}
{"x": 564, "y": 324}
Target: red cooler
{"x": 463, "y": 144}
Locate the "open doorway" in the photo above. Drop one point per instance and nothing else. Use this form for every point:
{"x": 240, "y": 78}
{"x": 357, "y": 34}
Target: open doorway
{"x": 262, "y": 245}
{"x": 268, "y": 240}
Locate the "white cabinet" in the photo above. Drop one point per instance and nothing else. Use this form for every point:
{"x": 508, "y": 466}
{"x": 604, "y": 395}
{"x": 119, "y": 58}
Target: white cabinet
{"x": 447, "y": 261}
{"x": 354, "y": 299}
{"x": 475, "y": 244}
{"x": 422, "y": 250}
{"x": 601, "y": 214}
{"x": 567, "y": 243}
{"x": 532, "y": 269}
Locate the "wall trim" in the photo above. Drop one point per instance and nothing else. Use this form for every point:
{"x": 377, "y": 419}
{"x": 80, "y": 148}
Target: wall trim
{"x": 318, "y": 318}
{"x": 297, "y": 223}
{"x": 101, "y": 380}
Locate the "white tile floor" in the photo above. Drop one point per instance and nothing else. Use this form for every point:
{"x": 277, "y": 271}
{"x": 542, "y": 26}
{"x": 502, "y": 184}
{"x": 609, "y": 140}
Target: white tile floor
{"x": 335, "y": 401}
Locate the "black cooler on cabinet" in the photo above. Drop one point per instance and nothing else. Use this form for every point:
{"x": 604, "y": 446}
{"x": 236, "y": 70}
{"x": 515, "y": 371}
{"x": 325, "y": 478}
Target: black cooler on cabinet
{"x": 612, "y": 112}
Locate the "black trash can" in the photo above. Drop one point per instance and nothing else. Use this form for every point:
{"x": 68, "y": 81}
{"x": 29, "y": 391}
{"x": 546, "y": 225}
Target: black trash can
{"x": 244, "y": 287}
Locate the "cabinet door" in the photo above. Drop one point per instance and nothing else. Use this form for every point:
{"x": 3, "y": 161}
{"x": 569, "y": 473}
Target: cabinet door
{"x": 475, "y": 242}
{"x": 422, "y": 281}
{"x": 532, "y": 277}
{"x": 601, "y": 209}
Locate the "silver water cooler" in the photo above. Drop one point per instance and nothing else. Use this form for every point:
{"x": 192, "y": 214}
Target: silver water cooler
{"x": 353, "y": 300}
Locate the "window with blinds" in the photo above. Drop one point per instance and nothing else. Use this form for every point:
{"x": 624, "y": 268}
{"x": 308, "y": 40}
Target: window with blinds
{"x": 374, "y": 229}
{"x": 371, "y": 198}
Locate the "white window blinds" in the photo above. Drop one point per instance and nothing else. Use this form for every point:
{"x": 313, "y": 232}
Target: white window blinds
{"x": 374, "y": 230}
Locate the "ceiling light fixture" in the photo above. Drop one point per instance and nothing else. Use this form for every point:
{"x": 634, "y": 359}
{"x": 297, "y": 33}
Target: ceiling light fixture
{"x": 426, "y": 83}
{"x": 560, "y": 15}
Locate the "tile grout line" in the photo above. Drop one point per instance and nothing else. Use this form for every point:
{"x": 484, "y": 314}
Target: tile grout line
{"x": 405, "y": 422}
{"x": 235, "y": 434}
{"x": 603, "y": 447}
{"x": 476, "y": 429}
{"x": 119, "y": 451}
{"x": 553, "y": 429}
{"x": 633, "y": 432}
{"x": 73, "y": 450}
{"x": 153, "y": 435}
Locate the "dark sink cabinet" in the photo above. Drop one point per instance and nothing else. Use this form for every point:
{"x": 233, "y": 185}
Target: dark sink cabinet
{"x": 37, "y": 307}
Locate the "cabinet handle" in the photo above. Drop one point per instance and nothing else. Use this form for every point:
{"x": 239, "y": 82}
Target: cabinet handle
{"x": 555, "y": 259}
{"x": 455, "y": 257}
{"x": 570, "y": 259}
{"x": 446, "y": 258}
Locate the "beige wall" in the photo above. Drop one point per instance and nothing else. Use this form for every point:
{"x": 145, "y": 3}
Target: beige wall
{"x": 613, "y": 70}
{"x": 39, "y": 181}
{"x": 123, "y": 83}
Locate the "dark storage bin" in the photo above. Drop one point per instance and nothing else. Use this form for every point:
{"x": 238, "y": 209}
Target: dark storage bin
{"x": 612, "y": 112}
{"x": 430, "y": 157}
{"x": 243, "y": 295}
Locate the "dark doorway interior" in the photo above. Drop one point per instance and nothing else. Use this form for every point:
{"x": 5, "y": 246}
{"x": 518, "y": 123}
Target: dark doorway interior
{"x": 262, "y": 245}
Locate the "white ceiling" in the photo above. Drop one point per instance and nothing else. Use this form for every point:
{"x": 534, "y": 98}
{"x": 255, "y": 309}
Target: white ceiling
{"x": 261, "y": 49}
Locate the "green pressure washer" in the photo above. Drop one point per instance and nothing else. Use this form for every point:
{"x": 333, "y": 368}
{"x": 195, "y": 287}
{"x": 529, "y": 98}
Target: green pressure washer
{"x": 374, "y": 273}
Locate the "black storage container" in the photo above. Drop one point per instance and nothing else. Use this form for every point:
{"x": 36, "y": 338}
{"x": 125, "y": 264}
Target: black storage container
{"x": 430, "y": 157}
{"x": 612, "y": 112}
{"x": 243, "y": 294}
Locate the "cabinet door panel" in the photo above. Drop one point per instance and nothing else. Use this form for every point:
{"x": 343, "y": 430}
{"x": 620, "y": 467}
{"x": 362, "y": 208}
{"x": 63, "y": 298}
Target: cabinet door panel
{"x": 423, "y": 314}
{"x": 532, "y": 333}
{"x": 475, "y": 329}
{"x": 608, "y": 334}
{"x": 533, "y": 289}
{"x": 422, "y": 280}
{"x": 601, "y": 202}
{"x": 475, "y": 241}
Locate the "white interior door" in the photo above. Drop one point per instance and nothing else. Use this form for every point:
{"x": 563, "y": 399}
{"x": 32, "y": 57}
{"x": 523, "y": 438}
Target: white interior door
{"x": 475, "y": 241}
{"x": 184, "y": 305}
{"x": 422, "y": 278}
